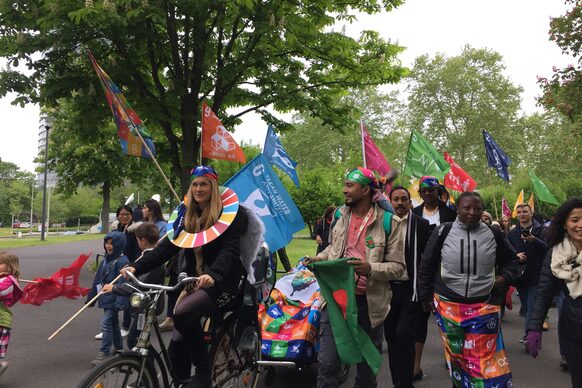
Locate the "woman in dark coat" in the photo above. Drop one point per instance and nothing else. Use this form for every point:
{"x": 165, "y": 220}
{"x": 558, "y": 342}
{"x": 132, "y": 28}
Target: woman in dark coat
{"x": 216, "y": 263}
{"x": 561, "y": 271}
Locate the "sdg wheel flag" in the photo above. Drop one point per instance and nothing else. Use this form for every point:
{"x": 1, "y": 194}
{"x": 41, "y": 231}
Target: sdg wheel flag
{"x": 129, "y": 125}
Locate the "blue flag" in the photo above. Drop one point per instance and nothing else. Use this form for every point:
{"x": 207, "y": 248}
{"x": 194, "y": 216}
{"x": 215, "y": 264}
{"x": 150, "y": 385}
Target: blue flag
{"x": 276, "y": 154}
{"x": 259, "y": 189}
{"x": 496, "y": 158}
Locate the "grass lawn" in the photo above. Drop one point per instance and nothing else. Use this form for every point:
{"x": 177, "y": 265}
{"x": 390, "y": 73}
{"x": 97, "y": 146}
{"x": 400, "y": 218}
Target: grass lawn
{"x": 11, "y": 243}
{"x": 298, "y": 248}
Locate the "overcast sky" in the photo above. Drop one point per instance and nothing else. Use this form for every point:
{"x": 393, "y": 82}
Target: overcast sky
{"x": 517, "y": 29}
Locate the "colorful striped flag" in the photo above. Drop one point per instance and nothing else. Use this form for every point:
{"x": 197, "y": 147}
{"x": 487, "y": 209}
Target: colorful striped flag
{"x": 129, "y": 125}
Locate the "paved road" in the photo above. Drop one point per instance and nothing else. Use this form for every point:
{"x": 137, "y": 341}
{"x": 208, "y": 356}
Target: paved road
{"x": 36, "y": 362}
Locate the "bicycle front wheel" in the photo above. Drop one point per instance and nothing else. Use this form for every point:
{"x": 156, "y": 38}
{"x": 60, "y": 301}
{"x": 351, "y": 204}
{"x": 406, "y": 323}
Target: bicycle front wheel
{"x": 120, "y": 372}
{"x": 234, "y": 365}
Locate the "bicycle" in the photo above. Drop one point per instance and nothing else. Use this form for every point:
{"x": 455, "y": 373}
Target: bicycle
{"x": 233, "y": 334}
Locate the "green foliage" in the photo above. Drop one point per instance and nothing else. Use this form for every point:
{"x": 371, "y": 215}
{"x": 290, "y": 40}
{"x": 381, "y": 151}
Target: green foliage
{"x": 563, "y": 91}
{"x": 169, "y": 57}
{"x": 453, "y": 99}
{"x": 319, "y": 189}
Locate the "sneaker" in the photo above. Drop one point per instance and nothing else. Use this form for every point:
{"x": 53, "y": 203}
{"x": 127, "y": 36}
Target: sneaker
{"x": 546, "y": 326}
{"x": 100, "y": 357}
{"x": 3, "y": 367}
{"x": 124, "y": 333}
{"x": 522, "y": 340}
{"x": 99, "y": 337}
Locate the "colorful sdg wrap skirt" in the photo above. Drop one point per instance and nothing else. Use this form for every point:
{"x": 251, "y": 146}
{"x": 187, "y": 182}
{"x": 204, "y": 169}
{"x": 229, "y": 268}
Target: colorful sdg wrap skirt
{"x": 473, "y": 344}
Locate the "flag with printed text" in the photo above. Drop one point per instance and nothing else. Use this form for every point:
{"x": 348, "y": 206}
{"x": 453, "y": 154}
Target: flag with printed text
{"x": 217, "y": 142}
{"x": 457, "y": 178}
{"x": 422, "y": 159}
{"x": 276, "y": 155}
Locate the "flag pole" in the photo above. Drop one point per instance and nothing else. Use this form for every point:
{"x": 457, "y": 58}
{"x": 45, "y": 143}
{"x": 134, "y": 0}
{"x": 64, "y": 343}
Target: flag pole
{"x": 103, "y": 83}
{"x": 494, "y": 199}
{"x": 363, "y": 146}
{"x": 90, "y": 303}
{"x": 201, "y": 129}
{"x": 157, "y": 165}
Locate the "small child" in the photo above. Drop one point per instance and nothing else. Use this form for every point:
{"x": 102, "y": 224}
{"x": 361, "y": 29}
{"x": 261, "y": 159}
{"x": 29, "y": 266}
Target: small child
{"x": 114, "y": 260}
{"x": 147, "y": 235}
{"x": 10, "y": 293}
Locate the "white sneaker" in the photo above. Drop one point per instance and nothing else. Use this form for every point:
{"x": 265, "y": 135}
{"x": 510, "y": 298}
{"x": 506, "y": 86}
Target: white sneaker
{"x": 99, "y": 336}
{"x": 124, "y": 333}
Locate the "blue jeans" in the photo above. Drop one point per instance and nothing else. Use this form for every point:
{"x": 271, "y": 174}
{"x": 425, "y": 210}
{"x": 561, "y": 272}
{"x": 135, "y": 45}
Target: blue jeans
{"x": 527, "y": 294}
{"x": 111, "y": 331}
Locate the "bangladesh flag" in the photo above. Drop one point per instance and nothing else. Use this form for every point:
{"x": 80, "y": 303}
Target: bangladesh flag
{"x": 336, "y": 283}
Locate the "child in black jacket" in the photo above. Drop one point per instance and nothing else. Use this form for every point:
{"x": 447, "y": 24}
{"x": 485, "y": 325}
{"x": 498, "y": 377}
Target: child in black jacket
{"x": 147, "y": 235}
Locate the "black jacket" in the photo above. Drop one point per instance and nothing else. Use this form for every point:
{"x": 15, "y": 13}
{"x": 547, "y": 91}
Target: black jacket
{"x": 570, "y": 320}
{"x": 535, "y": 252}
{"x": 221, "y": 256}
{"x": 322, "y": 230}
{"x": 423, "y": 233}
{"x": 131, "y": 250}
{"x": 446, "y": 214}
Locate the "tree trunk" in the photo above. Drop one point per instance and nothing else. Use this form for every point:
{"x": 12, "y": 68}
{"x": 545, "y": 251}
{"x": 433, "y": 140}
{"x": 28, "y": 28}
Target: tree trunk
{"x": 106, "y": 190}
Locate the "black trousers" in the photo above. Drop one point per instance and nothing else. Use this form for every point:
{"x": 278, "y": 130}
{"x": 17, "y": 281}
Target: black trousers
{"x": 399, "y": 331}
{"x": 573, "y": 352}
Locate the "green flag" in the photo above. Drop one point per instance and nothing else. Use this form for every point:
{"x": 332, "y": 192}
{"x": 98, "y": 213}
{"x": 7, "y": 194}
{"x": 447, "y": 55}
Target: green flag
{"x": 541, "y": 190}
{"x": 423, "y": 159}
{"x": 337, "y": 284}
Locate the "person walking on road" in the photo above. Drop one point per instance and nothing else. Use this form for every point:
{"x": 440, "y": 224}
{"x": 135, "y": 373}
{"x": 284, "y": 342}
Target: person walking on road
{"x": 458, "y": 282}
{"x": 406, "y": 311}
{"x": 561, "y": 272}
{"x": 359, "y": 233}
{"x": 527, "y": 239}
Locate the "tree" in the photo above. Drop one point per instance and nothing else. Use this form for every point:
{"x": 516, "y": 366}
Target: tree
{"x": 169, "y": 56}
{"x": 453, "y": 99}
{"x": 563, "y": 91}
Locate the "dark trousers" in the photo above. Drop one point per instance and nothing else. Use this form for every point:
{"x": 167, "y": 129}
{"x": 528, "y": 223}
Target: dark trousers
{"x": 126, "y": 324}
{"x": 573, "y": 353}
{"x": 399, "y": 330}
{"x": 284, "y": 259}
{"x": 172, "y": 295}
{"x": 329, "y": 361}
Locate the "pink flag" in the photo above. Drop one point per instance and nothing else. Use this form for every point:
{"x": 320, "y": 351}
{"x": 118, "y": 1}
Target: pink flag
{"x": 505, "y": 207}
{"x": 373, "y": 158}
{"x": 458, "y": 179}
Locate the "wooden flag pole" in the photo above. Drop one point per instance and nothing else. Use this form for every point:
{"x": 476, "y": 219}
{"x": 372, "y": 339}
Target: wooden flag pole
{"x": 82, "y": 309}
{"x": 494, "y": 199}
{"x": 363, "y": 146}
{"x": 157, "y": 165}
{"x": 28, "y": 281}
{"x": 92, "y": 300}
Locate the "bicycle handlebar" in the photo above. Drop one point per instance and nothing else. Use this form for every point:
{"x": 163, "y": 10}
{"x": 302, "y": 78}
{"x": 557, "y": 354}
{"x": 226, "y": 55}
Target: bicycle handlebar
{"x": 182, "y": 279}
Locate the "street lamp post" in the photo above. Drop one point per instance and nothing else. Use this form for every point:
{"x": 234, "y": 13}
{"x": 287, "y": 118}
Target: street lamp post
{"x": 43, "y": 226}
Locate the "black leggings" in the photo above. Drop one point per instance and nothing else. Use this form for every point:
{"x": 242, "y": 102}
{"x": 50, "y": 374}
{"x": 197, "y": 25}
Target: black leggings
{"x": 188, "y": 346}
{"x": 573, "y": 353}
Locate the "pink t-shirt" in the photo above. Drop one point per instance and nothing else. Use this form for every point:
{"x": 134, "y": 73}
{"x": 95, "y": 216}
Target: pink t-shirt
{"x": 357, "y": 248}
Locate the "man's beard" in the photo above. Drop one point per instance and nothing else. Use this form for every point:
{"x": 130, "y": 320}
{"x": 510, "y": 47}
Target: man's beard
{"x": 353, "y": 203}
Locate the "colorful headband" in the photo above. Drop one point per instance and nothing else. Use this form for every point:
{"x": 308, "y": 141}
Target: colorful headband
{"x": 428, "y": 182}
{"x": 205, "y": 171}
{"x": 363, "y": 176}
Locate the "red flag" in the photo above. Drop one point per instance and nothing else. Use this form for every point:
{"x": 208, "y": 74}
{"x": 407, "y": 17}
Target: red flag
{"x": 64, "y": 282}
{"x": 373, "y": 158}
{"x": 505, "y": 208}
{"x": 457, "y": 179}
{"x": 217, "y": 143}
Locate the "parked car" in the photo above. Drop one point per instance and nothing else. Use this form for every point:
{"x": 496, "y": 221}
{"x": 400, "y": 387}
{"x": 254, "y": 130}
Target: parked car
{"x": 24, "y": 225}
{"x": 16, "y": 224}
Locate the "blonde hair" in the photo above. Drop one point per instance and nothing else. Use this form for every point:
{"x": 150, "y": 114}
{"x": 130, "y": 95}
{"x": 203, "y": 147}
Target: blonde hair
{"x": 208, "y": 216}
{"x": 11, "y": 261}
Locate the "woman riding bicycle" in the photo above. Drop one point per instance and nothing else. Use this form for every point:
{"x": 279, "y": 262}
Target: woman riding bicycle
{"x": 216, "y": 263}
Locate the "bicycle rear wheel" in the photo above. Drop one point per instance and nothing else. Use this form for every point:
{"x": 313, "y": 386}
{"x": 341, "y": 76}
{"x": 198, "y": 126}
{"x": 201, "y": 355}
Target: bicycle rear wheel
{"x": 234, "y": 365}
{"x": 120, "y": 372}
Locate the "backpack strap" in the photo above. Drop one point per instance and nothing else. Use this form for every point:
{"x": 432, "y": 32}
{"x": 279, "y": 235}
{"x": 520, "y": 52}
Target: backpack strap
{"x": 444, "y": 230}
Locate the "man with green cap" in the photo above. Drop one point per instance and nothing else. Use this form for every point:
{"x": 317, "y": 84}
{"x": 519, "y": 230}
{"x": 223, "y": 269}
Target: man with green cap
{"x": 359, "y": 233}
